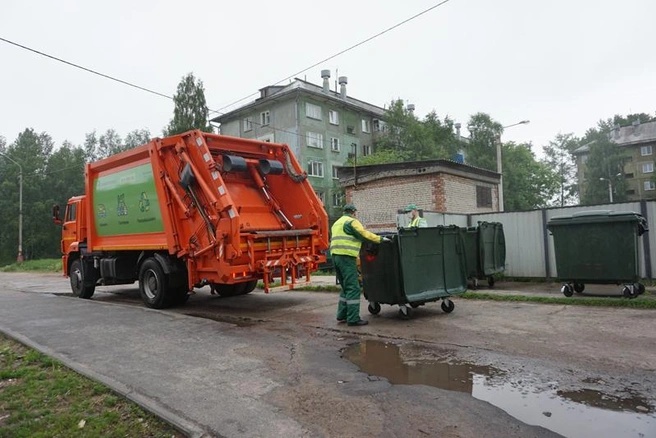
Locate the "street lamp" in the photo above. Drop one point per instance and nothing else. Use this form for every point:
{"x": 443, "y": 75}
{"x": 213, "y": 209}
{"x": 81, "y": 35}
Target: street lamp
{"x": 499, "y": 169}
{"x": 19, "y": 258}
{"x": 610, "y": 186}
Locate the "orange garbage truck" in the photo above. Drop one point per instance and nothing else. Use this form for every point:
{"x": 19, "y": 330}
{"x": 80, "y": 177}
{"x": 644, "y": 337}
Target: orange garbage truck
{"x": 193, "y": 210}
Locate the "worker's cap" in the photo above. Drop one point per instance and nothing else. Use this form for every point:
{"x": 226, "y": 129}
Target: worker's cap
{"x": 350, "y": 207}
{"x": 411, "y": 207}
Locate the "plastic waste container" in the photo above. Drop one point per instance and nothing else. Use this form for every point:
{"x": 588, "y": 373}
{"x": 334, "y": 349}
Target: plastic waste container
{"x": 420, "y": 265}
{"x": 598, "y": 247}
{"x": 485, "y": 251}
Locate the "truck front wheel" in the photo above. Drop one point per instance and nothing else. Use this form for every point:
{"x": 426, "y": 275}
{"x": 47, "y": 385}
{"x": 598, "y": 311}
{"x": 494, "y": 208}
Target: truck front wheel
{"x": 153, "y": 285}
{"x": 80, "y": 289}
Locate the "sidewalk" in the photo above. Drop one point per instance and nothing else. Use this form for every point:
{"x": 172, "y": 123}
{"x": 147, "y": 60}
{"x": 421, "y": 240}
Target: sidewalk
{"x": 184, "y": 369}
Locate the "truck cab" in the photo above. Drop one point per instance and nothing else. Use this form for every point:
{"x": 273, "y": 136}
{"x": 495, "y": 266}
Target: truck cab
{"x": 73, "y": 231}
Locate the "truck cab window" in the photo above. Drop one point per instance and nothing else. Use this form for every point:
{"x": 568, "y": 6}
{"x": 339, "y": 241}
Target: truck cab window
{"x": 70, "y": 212}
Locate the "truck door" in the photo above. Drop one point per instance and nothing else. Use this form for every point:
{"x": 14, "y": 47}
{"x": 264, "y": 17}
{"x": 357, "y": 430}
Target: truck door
{"x": 69, "y": 228}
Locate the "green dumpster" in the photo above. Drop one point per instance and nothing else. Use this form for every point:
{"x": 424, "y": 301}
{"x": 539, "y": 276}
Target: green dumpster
{"x": 485, "y": 251}
{"x": 598, "y": 247}
{"x": 420, "y": 265}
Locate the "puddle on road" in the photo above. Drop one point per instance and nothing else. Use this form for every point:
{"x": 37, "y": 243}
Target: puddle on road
{"x": 580, "y": 413}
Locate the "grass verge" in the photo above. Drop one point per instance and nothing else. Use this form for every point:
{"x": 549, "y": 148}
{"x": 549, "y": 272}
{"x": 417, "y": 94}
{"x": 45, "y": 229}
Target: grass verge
{"x": 40, "y": 397}
{"x": 637, "y": 303}
{"x": 43, "y": 265}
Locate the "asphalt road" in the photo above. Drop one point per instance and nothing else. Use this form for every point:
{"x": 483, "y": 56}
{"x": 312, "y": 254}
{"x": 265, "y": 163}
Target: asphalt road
{"x": 273, "y": 365}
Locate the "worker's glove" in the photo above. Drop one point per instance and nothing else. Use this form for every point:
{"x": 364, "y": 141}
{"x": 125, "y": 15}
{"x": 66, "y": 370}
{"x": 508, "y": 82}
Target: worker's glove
{"x": 386, "y": 240}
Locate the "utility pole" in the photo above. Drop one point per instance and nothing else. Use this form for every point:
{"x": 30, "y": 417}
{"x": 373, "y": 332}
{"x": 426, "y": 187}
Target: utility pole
{"x": 19, "y": 258}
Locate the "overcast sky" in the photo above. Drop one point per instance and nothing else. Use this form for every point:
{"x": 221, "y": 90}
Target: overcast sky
{"x": 562, "y": 64}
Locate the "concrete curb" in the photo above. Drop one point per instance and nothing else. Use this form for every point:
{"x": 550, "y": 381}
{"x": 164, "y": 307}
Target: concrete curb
{"x": 168, "y": 415}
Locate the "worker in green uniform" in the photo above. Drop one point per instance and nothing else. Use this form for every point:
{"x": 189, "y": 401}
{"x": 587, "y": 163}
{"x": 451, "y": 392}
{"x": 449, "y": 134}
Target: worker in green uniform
{"x": 347, "y": 237}
{"x": 416, "y": 221}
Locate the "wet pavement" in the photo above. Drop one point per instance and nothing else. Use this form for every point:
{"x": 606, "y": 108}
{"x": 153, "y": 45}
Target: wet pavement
{"x": 501, "y": 366}
{"x": 573, "y": 413}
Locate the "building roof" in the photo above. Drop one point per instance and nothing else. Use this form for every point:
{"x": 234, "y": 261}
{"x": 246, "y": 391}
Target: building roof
{"x": 635, "y": 134}
{"x": 277, "y": 92}
{"x": 376, "y": 172}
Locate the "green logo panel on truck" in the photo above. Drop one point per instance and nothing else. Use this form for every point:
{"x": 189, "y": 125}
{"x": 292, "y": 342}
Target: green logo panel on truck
{"x": 126, "y": 203}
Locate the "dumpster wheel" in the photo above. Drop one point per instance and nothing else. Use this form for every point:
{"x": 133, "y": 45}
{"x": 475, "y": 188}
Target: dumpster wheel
{"x": 447, "y": 305}
{"x": 579, "y": 287}
{"x": 630, "y": 291}
{"x": 404, "y": 312}
{"x": 490, "y": 281}
{"x": 640, "y": 288}
{"x": 374, "y": 308}
{"x": 567, "y": 290}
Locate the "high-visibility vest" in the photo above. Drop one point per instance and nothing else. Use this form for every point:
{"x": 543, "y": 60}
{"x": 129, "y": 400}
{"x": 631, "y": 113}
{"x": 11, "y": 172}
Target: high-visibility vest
{"x": 418, "y": 222}
{"x": 342, "y": 243}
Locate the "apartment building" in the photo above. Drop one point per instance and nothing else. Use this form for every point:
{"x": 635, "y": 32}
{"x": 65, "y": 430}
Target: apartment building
{"x": 638, "y": 144}
{"x": 323, "y": 126}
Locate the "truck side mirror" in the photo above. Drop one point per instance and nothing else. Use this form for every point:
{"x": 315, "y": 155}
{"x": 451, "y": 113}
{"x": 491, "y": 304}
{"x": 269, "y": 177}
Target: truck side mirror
{"x": 55, "y": 215}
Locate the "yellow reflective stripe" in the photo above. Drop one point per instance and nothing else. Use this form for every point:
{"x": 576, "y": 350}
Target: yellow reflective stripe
{"x": 332, "y": 247}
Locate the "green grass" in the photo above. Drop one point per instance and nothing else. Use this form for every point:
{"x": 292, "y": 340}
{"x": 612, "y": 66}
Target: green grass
{"x": 639, "y": 303}
{"x": 39, "y": 397}
{"x": 43, "y": 265}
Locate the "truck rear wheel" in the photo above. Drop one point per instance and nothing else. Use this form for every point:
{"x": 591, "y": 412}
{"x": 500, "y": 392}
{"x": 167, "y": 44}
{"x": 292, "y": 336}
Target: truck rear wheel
{"x": 80, "y": 289}
{"x": 153, "y": 285}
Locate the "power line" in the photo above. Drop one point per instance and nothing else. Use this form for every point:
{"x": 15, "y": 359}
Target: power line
{"x": 342, "y": 51}
{"x": 121, "y": 81}
{"x": 219, "y": 111}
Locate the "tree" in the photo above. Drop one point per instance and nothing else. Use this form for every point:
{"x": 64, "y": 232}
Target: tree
{"x": 406, "y": 138}
{"x": 190, "y": 110}
{"x": 606, "y": 161}
{"x": 109, "y": 143}
{"x": 484, "y": 135}
{"x": 91, "y": 147}
{"x": 32, "y": 151}
{"x": 136, "y": 138}
{"x": 559, "y": 158}
{"x": 527, "y": 183}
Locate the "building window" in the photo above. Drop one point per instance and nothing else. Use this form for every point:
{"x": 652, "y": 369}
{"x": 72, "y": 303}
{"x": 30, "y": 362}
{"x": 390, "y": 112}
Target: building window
{"x": 334, "y": 144}
{"x": 646, "y": 150}
{"x": 483, "y": 196}
{"x": 584, "y": 159}
{"x": 366, "y": 150}
{"x": 248, "y": 124}
{"x": 265, "y": 118}
{"x": 628, "y": 175}
{"x": 321, "y": 195}
{"x": 268, "y": 138}
{"x": 350, "y": 129}
{"x": 647, "y": 167}
{"x": 338, "y": 199}
{"x": 314, "y": 140}
{"x": 630, "y": 192}
{"x": 315, "y": 168}
{"x": 335, "y": 172}
{"x": 379, "y": 125}
{"x": 365, "y": 126}
{"x": 649, "y": 185}
{"x": 312, "y": 111}
{"x": 334, "y": 117}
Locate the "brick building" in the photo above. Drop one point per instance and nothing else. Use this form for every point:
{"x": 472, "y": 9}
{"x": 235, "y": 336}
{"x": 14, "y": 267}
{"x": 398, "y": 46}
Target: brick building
{"x": 380, "y": 191}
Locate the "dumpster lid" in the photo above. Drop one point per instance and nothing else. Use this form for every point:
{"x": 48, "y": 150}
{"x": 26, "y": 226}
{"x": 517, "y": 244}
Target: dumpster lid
{"x": 597, "y": 216}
